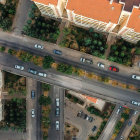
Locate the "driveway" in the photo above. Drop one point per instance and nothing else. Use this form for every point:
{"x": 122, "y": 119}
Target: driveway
{"x": 84, "y": 126}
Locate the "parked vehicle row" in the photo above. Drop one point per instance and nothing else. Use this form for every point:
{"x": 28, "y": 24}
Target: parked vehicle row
{"x": 81, "y": 114}
{"x": 57, "y": 113}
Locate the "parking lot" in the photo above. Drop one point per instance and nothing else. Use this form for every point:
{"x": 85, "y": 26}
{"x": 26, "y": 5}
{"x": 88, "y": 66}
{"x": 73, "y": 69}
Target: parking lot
{"x": 85, "y": 126}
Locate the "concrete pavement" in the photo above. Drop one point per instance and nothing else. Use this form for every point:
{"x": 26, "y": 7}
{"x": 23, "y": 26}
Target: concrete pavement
{"x": 109, "y": 128}
{"x": 86, "y": 86}
{"x": 85, "y": 127}
{"x": 21, "y": 15}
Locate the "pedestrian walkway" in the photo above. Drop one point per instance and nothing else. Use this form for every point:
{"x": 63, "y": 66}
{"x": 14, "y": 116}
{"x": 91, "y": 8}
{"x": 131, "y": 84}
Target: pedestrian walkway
{"x": 21, "y": 15}
{"x": 110, "y": 40}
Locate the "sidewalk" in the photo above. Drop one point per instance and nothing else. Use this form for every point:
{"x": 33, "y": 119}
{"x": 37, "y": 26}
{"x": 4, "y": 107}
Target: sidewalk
{"x": 21, "y": 15}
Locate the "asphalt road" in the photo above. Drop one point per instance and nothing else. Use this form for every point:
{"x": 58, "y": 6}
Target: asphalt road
{"x": 33, "y": 124}
{"x": 83, "y": 85}
{"x": 56, "y": 92}
{"x": 109, "y": 128}
{"x": 27, "y": 44}
{"x": 126, "y": 129}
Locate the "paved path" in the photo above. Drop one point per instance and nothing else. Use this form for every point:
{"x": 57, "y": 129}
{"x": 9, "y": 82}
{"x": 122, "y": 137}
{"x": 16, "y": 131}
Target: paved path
{"x": 110, "y": 40}
{"x": 21, "y": 15}
{"x": 10, "y": 135}
{"x": 109, "y": 128}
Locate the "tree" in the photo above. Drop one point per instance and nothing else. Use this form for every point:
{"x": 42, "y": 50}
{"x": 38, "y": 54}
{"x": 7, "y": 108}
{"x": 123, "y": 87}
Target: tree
{"x": 87, "y": 41}
{"x": 65, "y": 68}
{"x": 47, "y": 62}
{"x": 43, "y": 100}
{"x": 46, "y": 86}
{"x": 138, "y": 44}
{"x": 125, "y": 116}
{"x": 2, "y": 49}
{"x": 91, "y": 30}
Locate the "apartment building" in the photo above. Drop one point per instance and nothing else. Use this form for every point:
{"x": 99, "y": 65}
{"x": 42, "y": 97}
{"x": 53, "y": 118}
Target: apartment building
{"x": 121, "y": 17}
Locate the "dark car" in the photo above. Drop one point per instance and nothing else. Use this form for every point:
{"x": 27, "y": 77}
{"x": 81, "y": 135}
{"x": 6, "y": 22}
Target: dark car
{"x": 32, "y": 71}
{"x": 94, "y": 128}
{"x": 57, "y": 111}
{"x": 32, "y": 94}
{"x": 58, "y": 52}
{"x": 79, "y": 114}
{"x": 113, "y": 68}
{"x": 90, "y": 119}
{"x": 130, "y": 122}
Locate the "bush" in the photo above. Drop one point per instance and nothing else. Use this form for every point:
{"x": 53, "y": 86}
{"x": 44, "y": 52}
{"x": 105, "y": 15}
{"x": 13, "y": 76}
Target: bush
{"x": 65, "y": 68}
{"x": 43, "y": 100}
{"x": 2, "y": 49}
{"x": 47, "y": 62}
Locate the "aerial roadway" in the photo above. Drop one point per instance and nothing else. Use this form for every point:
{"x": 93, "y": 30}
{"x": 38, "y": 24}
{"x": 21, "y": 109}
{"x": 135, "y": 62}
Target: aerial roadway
{"x": 68, "y": 56}
{"x": 83, "y": 85}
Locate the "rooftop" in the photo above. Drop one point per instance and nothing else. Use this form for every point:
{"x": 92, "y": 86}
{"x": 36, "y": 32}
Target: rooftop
{"x": 134, "y": 21}
{"x": 96, "y": 9}
{"x": 46, "y": 2}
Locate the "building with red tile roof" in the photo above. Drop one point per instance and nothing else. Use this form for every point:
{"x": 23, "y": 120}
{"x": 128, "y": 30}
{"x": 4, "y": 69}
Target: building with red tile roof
{"x": 121, "y": 17}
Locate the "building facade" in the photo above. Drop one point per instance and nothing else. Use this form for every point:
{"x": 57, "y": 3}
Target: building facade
{"x": 121, "y": 17}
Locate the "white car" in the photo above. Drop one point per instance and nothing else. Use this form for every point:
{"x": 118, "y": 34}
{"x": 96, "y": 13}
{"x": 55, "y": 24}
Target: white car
{"x": 57, "y": 102}
{"x": 42, "y": 74}
{"x": 135, "y": 103}
{"x": 136, "y": 77}
{"x": 19, "y": 67}
{"x": 85, "y": 60}
{"x": 57, "y": 125}
{"x": 135, "y": 112}
{"x": 38, "y": 46}
{"x": 33, "y": 113}
{"x": 101, "y": 65}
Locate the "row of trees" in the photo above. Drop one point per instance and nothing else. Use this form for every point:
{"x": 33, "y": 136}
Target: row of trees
{"x": 40, "y": 27}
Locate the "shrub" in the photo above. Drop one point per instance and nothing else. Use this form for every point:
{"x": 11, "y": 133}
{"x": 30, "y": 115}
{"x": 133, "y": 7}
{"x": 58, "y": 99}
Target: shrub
{"x": 2, "y": 49}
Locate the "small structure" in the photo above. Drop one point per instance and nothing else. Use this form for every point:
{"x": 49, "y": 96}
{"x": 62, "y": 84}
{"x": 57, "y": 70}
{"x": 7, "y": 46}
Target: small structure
{"x": 89, "y": 101}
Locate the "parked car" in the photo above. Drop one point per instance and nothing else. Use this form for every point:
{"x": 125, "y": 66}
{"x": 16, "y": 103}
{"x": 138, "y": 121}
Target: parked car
{"x": 57, "y": 111}
{"x": 38, "y": 46}
{"x": 119, "y": 109}
{"x": 113, "y": 68}
{"x": 33, "y": 113}
{"x": 122, "y": 137}
{"x": 135, "y": 77}
{"x": 85, "y": 60}
{"x": 42, "y": 74}
{"x": 79, "y": 114}
{"x": 90, "y": 119}
{"x": 101, "y": 65}
{"x": 94, "y": 128}
{"x": 135, "y": 112}
{"x": 19, "y": 67}
{"x": 130, "y": 122}
{"x": 32, "y": 94}
{"x": 57, "y": 125}
{"x": 58, "y": 52}
{"x": 32, "y": 71}
{"x": 57, "y": 102}
{"x": 135, "y": 103}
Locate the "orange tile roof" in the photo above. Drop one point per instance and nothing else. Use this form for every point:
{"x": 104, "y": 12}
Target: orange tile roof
{"x": 46, "y": 2}
{"x": 134, "y": 20}
{"x": 94, "y": 100}
{"x": 96, "y": 9}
